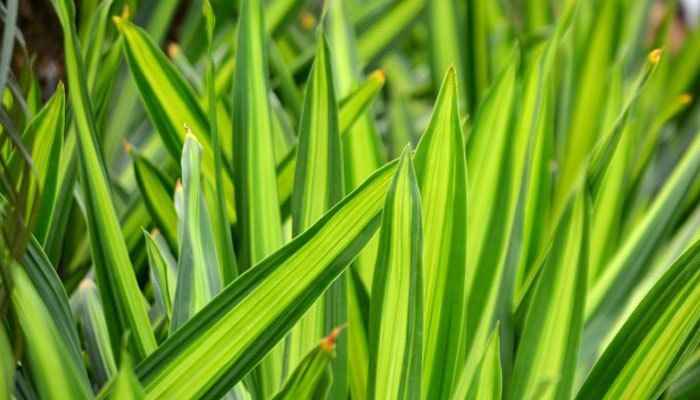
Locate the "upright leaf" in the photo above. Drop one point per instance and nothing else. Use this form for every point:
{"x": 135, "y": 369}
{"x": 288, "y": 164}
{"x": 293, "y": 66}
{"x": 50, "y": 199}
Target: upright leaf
{"x": 442, "y": 176}
{"x": 362, "y": 147}
{"x": 588, "y": 99}
{"x": 362, "y": 155}
{"x": 120, "y": 293}
{"x": 495, "y": 172}
{"x": 222, "y": 230}
{"x": 95, "y": 334}
{"x": 396, "y": 308}
{"x": 46, "y": 155}
{"x": 259, "y": 221}
{"x": 350, "y": 109}
{"x": 548, "y": 348}
{"x": 486, "y": 382}
{"x": 197, "y": 270}
{"x": 163, "y": 274}
{"x": 156, "y": 189}
{"x": 318, "y": 185}
{"x": 127, "y": 386}
{"x": 445, "y": 40}
{"x": 662, "y": 332}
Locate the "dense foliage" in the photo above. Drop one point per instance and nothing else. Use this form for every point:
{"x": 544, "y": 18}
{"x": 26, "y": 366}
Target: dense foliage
{"x": 383, "y": 199}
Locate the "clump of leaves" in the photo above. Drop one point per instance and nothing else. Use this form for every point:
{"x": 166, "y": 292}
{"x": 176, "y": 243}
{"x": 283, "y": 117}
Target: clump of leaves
{"x": 494, "y": 199}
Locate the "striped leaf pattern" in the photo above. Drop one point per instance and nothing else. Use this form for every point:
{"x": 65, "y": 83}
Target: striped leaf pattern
{"x": 121, "y": 297}
{"x": 442, "y": 177}
{"x": 396, "y": 309}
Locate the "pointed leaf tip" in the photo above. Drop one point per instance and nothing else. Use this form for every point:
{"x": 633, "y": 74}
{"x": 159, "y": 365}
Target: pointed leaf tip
{"x": 380, "y": 74}
{"x": 307, "y": 20}
{"x": 127, "y": 146}
{"x": 173, "y": 50}
{"x": 329, "y": 341}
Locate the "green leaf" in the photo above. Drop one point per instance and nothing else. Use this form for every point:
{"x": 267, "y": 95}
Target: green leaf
{"x": 260, "y": 223}
{"x": 170, "y": 101}
{"x": 119, "y": 290}
{"x": 53, "y": 371}
{"x": 444, "y": 23}
{"x": 313, "y": 377}
{"x": 535, "y": 133}
{"x": 381, "y": 34}
{"x": 548, "y": 348}
{"x": 127, "y": 386}
{"x": 163, "y": 273}
{"x": 318, "y": 185}
{"x": 350, "y": 109}
{"x": 655, "y": 341}
{"x": 95, "y": 334}
{"x": 396, "y": 308}
{"x": 362, "y": 155}
{"x": 492, "y": 157}
{"x": 156, "y": 189}
{"x": 46, "y": 156}
{"x": 48, "y": 285}
{"x": 487, "y": 380}
{"x": 280, "y": 13}
{"x": 93, "y": 46}
{"x": 478, "y": 52}
{"x": 230, "y": 335}
{"x": 222, "y": 230}
{"x": 7, "y": 366}
{"x": 197, "y": 269}
{"x": 362, "y": 146}
{"x": 442, "y": 176}
{"x": 587, "y": 105}
{"x": 624, "y": 267}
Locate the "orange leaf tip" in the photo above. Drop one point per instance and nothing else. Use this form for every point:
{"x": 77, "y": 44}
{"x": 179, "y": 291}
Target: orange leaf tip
{"x": 307, "y": 20}
{"x": 127, "y": 146}
{"x": 329, "y": 342}
{"x": 173, "y": 50}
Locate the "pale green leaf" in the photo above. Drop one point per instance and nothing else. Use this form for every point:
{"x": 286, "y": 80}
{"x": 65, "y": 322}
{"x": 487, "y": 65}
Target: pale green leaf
{"x": 197, "y": 269}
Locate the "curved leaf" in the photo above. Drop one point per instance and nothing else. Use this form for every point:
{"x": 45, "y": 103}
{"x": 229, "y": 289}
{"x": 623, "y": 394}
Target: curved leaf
{"x": 45, "y": 347}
